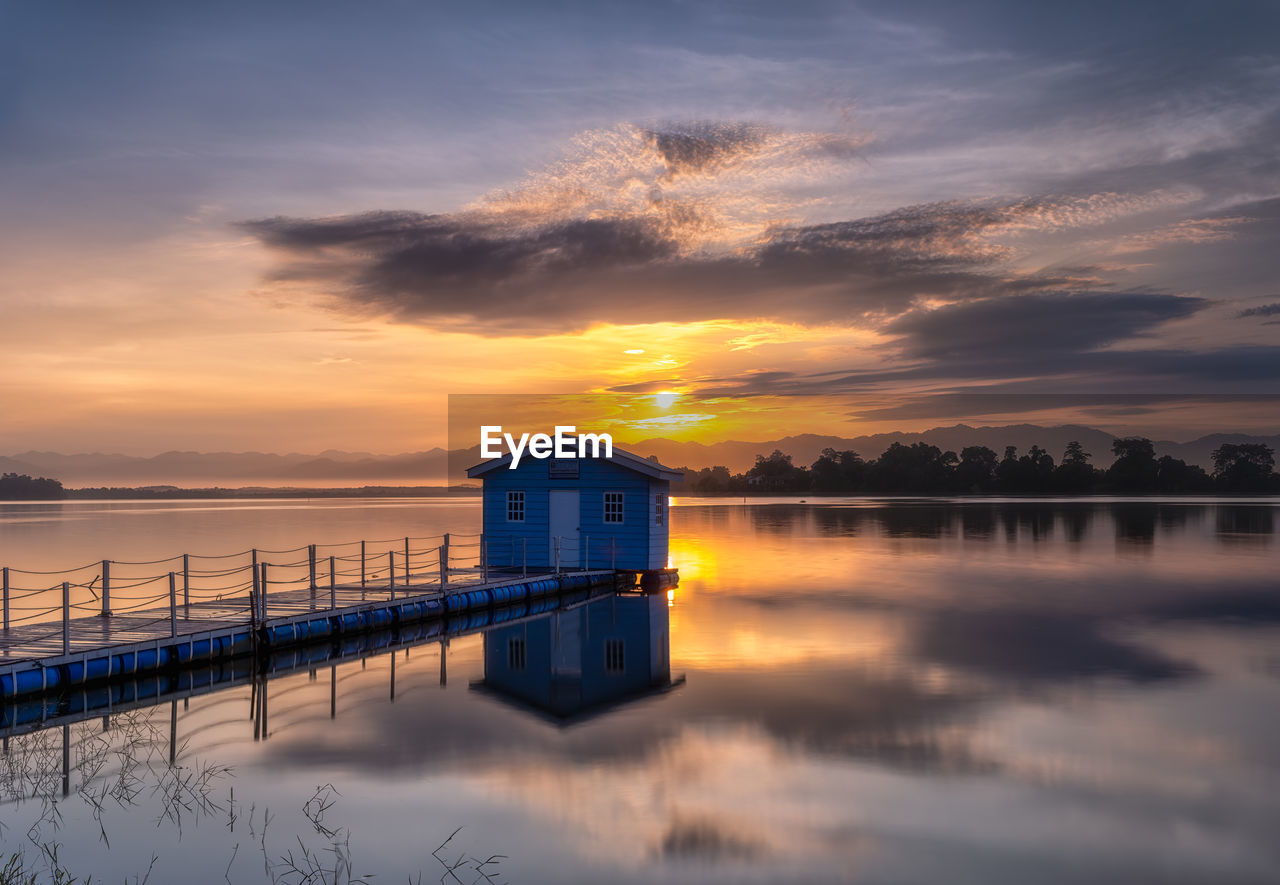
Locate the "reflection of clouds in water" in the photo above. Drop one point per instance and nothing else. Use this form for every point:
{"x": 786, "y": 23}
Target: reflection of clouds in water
{"x": 722, "y": 794}
{"x": 745, "y": 805}
{"x": 1035, "y": 647}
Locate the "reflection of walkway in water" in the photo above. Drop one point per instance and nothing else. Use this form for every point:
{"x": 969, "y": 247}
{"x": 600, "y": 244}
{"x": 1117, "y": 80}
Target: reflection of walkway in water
{"x": 582, "y": 660}
{"x": 577, "y": 654}
{"x": 105, "y": 701}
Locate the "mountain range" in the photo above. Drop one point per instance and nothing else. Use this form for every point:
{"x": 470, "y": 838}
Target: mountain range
{"x": 327, "y": 468}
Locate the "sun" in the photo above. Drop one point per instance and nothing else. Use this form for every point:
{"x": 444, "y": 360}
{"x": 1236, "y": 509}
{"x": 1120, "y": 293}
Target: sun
{"x": 665, "y": 399}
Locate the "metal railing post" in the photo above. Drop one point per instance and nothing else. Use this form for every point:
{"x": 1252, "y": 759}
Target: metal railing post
{"x": 484, "y": 559}
{"x": 444, "y": 568}
{"x": 557, "y": 554}
{"x": 391, "y": 564}
{"x": 6, "y": 599}
{"x": 407, "y": 582}
{"x": 173, "y": 605}
{"x": 66, "y": 617}
{"x": 362, "y": 569}
{"x": 333, "y": 584}
{"x": 106, "y": 587}
{"x": 262, "y": 596}
{"x": 186, "y": 586}
{"x": 257, "y": 580}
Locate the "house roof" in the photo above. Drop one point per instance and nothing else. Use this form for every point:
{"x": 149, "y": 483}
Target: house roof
{"x": 622, "y": 459}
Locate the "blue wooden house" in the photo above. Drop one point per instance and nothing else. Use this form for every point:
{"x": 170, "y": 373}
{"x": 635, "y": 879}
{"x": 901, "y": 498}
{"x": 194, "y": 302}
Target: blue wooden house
{"x": 584, "y": 660}
{"x": 576, "y": 512}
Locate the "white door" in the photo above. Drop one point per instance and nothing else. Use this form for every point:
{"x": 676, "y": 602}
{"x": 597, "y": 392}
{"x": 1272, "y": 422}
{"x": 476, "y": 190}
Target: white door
{"x": 564, "y": 525}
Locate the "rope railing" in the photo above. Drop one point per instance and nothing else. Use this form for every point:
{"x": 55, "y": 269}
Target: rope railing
{"x": 219, "y": 555}
{"x": 146, "y": 561}
{"x": 62, "y": 571}
{"x": 256, "y": 585}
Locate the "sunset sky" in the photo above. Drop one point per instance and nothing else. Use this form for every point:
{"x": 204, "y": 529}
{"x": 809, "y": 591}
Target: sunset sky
{"x": 299, "y": 227}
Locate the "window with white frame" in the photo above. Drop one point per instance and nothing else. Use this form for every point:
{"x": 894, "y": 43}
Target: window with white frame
{"x": 659, "y": 509}
{"x": 613, "y": 507}
{"x": 515, "y": 506}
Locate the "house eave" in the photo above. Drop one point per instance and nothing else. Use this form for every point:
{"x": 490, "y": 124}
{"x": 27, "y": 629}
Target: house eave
{"x": 635, "y": 463}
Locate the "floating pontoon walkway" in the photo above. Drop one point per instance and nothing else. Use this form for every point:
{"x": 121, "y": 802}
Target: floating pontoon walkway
{"x": 273, "y": 607}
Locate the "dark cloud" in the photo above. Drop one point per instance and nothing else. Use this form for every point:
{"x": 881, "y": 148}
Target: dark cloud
{"x": 1055, "y": 381}
{"x": 1266, "y": 310}
{"x": 970, "y": 404}
{"x": 1035, "y": 325}
{"x": 495, "y": 273}
{"x": 433, "y": 256}
{"x": 705, "y": 147}
{"x": 348, "y": 231}
{"x": 1041, "y": 350}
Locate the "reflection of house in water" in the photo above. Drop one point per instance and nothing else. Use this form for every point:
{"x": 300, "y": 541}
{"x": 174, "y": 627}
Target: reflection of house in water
{"x": 582, "y": 660}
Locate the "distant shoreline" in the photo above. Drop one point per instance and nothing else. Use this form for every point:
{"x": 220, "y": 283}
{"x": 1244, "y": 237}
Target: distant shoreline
{"x": 170, "y": 493}
{"x": 176, "y": 493}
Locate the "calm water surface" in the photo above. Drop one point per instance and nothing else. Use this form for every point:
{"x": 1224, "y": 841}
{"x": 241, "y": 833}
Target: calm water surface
{"x": 912, "y": 692}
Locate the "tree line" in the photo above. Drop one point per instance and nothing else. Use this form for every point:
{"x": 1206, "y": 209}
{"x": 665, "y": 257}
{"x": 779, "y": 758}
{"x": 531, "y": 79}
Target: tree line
{"x": 917, "y": 469}
{"x": 923, "y": 469}
{"x": 20, "y": 487}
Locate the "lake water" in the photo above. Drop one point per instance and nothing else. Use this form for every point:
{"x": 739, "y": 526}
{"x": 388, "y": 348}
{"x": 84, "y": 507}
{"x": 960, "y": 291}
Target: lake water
{"x": 985, "y": 692}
